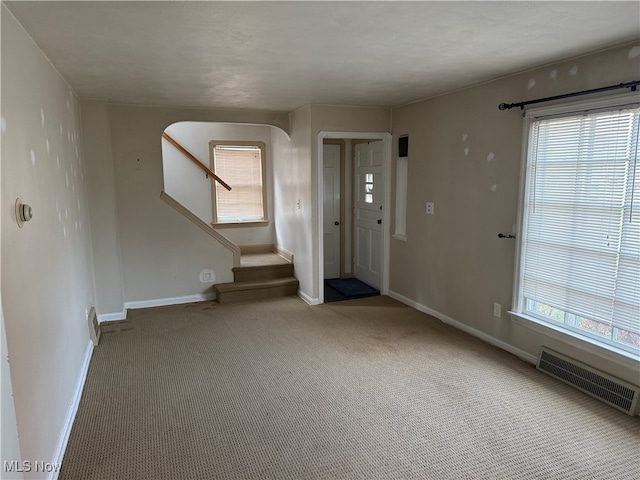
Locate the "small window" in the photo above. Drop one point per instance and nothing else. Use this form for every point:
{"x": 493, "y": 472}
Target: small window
{"x": 579, "y": 267}
{"x": 368, "y": 188}
{"x": 242, "y": 166}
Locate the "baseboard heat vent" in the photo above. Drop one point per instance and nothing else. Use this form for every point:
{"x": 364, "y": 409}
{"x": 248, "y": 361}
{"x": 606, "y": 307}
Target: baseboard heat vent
{"x": 600, "y": 385}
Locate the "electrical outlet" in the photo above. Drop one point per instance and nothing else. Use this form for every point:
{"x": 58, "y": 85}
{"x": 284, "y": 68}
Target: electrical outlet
{"x": 207, "y": 276}
{"x": 430, "y": 208}
{"x": 497, "y": 310}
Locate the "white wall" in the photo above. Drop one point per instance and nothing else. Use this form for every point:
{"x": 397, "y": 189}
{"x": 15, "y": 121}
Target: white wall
{"x": 162, "y": 252}
{"x": 292, "y": 196}
{"x": 185, "y": 182}
{"x": 326, "y": 118}
{"x": 96, "y": 140}
{"x": 464, "y": 155}
{"x": 9, "y": 443}
{"x": 296, "y": 178}
{"x": 47, "y": 279}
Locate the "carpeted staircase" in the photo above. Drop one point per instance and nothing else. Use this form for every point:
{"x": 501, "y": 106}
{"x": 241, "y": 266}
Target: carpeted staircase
{"x": 261, "y": 275}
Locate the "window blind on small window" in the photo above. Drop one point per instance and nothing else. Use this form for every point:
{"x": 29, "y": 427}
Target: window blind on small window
{"x": 241, "y": 168}
{"x": 582, "y": 219}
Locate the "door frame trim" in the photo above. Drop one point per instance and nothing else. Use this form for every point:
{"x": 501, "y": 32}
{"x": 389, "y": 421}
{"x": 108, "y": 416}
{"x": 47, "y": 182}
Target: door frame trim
{"x": 387, "y": 141}
{"x": 341, "y": 143}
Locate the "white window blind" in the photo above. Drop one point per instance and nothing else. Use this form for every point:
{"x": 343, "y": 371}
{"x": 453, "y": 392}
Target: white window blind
{"x": 241, "y": 167}
{"x": 581, "y": 235}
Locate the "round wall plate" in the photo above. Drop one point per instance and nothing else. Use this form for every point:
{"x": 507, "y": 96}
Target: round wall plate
{"x": 23, "y": 212}
{"x": 19, "y": 213}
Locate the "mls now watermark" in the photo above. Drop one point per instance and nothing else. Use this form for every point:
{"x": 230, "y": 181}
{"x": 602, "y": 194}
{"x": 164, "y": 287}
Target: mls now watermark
{"x": 27, "y": 466}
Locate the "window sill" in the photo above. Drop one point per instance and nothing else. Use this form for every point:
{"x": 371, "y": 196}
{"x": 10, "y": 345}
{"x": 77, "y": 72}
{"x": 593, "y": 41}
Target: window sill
{"x": 240, "y": 224}
{"x": 608, "y": 352}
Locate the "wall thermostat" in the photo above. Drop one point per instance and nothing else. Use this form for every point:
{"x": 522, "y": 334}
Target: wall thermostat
{"x": 23, "y": 212}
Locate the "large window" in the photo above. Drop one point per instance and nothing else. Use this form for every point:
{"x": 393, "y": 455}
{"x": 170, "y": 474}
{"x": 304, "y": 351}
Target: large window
{"x": 579, "y": 257}
{"x": 242, "y": 166}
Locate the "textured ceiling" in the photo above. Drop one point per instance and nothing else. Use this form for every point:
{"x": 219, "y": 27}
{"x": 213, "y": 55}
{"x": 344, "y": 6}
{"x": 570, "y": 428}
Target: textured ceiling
{"x": 281, "y": 55}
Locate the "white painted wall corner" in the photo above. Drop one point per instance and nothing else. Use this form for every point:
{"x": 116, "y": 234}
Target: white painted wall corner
{"x": 527, "y": 357}
{"x": 308, "y": 299}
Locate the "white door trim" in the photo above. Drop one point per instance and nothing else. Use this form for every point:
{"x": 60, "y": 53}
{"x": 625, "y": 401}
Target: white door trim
{"x": 387, "y": 139}
{"x": 333, "y": 244}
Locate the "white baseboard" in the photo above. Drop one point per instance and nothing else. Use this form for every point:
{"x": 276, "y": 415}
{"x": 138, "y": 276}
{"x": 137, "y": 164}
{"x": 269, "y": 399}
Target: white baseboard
{"x": 71, "y": 413}
{"x": 112, "y": 317}
{"x": 527, "y": 357}
{"x": 284, "y": 253}
{"x": 161, "y": 302}
{"x": 308, "y": 299}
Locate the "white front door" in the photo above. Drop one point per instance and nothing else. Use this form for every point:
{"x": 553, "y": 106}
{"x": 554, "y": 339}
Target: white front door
{"x": 369, "y": 196}
{"x": 331, "y": 210}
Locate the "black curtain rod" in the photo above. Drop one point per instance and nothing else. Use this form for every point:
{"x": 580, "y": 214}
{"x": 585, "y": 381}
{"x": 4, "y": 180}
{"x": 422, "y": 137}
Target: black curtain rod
{"x": 632, "y": 85}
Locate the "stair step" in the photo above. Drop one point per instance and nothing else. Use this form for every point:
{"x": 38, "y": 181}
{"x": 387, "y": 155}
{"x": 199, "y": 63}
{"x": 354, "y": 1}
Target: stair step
{"x": 244, "y": 291}
{"x": 262, "y": 259}
{"x": 262, "y": 272}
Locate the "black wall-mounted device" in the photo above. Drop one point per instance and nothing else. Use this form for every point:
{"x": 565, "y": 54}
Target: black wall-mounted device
{"x": 403, "y": 146}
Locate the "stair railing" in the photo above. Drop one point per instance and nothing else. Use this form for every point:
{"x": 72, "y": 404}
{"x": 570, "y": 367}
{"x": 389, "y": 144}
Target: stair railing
{"x": 198, "y": 163}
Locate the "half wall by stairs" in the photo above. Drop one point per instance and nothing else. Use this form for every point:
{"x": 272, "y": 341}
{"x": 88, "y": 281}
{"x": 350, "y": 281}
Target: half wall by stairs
{"x": 208, "y": 229}
{"x": 259, "y": 271}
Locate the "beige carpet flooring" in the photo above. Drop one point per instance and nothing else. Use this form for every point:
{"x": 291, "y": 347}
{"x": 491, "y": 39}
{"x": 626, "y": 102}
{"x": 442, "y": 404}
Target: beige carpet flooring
{"x": 363, "y": 389}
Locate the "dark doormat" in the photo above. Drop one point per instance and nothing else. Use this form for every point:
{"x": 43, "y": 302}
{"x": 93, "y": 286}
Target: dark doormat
{"x": 351, "y": 288}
